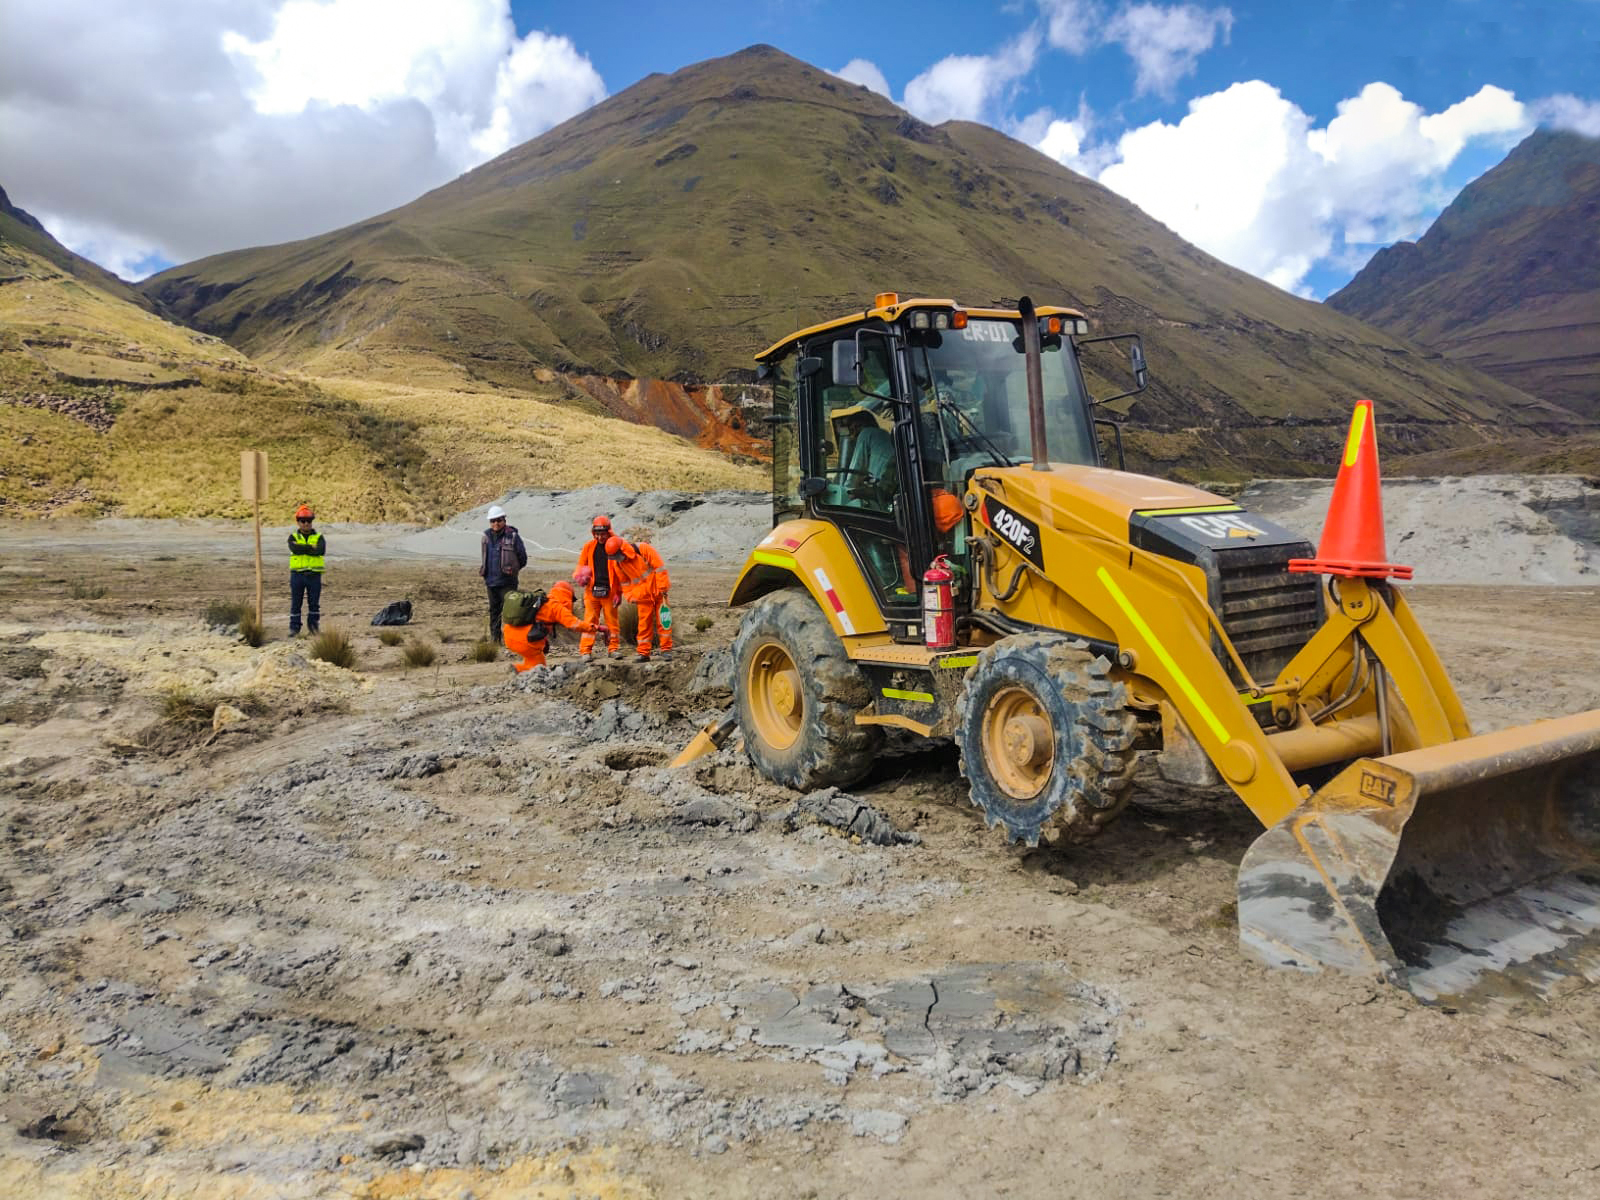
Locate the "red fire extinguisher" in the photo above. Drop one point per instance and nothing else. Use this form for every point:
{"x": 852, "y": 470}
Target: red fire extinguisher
{"x": 939, "y": 605}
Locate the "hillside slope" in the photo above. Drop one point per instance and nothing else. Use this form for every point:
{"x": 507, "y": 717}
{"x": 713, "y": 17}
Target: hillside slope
{"x": 675, "y": 229}
{"x": 108, "y": 408}
{"x": 21, "y": 231}
{"x": 1508, "y": 278}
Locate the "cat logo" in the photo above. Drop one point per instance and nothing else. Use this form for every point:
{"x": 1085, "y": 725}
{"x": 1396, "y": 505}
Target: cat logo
{"x": 1377, "y": 787}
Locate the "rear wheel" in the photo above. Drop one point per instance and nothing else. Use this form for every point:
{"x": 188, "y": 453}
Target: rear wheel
{"x": 1046, "y": 733}
{"x": 797, "y": 694}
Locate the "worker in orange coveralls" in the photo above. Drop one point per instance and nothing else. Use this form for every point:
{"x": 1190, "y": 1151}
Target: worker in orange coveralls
{"x": 645, "y": 583}
{"x": 602, "y": 587}
{"x": 531, "y": 641}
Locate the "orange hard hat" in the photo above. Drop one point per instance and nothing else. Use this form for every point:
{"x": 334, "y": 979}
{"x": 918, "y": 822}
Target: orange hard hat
{"x": 561, "y": 588}
{"x": 613, "y": 544}
{"x": 303, "y": 511}
{"x": 600, "y": 522}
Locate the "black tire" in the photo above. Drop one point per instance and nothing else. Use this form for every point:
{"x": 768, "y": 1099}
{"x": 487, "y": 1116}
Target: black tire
{"x": 827, "y": 749}
{"x": 1088, "y": 777}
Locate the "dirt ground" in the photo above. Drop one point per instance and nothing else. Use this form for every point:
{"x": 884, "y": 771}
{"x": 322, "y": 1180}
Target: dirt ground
{"x": 441, "y": 932}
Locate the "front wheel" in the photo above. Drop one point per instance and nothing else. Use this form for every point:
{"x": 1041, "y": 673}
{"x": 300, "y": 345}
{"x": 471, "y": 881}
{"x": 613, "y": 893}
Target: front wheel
{"x": 797, "y": 694}
{"x": 1046, "y": 733}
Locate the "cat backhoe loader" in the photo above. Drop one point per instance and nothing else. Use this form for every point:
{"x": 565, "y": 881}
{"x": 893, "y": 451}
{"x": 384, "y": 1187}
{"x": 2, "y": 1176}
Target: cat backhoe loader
{"x": 1100, "y": 615}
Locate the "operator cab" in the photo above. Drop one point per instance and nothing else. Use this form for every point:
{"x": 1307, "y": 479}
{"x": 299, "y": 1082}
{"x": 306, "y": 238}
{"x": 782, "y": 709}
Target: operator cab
{"x": 880, "y": 418}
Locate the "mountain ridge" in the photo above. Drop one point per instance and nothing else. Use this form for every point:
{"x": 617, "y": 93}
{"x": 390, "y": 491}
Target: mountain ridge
{"x": 1507, "y": 279}
{"x": 675, "y": 229}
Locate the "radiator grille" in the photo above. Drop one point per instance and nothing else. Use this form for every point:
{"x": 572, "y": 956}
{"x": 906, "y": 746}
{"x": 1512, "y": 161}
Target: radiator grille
{"x": 1268, "y": 613}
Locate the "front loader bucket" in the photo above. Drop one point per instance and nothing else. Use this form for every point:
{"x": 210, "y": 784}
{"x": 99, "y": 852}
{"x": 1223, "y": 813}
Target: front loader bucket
{"x": 1467, "y": 872}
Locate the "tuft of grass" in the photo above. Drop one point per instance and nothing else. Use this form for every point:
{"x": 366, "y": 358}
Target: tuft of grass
{"x": 334, "y": 646}
{"x": 419, "y": 653}
{"x": 182, "y": 705}
{"x": 701, "y": 624}
{"x": 251, "y": 631}
{"x": 83, "y": 590}
{"x": 226, "y": 612}
{"x": 391, "y": 637}
{"x": 483, "y": 651}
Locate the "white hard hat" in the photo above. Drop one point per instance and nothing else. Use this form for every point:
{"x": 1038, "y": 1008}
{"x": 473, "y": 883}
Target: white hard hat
{"x": 496, "y": 512}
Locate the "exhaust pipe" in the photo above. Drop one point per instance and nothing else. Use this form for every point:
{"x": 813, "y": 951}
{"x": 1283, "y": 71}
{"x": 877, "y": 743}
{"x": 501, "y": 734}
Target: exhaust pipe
{"x": 1035, "y": 373}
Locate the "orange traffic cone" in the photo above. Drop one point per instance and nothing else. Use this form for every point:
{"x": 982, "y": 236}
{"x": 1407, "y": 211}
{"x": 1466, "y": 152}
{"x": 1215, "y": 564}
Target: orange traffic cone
{"x": 1352, "y": 538}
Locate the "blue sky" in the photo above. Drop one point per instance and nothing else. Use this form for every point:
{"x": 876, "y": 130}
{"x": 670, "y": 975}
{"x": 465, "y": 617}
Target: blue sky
{"x": 1289, "y": 139}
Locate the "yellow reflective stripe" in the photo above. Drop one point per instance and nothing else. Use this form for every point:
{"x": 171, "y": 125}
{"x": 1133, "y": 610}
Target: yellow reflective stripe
{"x": 1175, "y": 512}
{"x": 1358, "y": 425}
{"x": 897, "y": 694}
{"x": 1257, "y": 700}
{"x": 1167, "y": 661}
{"x": 961, "y": 660}
{"x": 773, "y": 560}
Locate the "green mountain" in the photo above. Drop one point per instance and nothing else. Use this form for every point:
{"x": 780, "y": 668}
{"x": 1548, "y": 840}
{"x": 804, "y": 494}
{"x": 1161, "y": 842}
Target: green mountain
{"x": 679, "y": 227}
{"x": 1508, "y": 277}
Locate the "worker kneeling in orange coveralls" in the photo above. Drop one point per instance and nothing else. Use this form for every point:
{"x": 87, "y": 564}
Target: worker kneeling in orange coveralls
{"x": 644, "y": 584}
{"x": 531, "y": 641}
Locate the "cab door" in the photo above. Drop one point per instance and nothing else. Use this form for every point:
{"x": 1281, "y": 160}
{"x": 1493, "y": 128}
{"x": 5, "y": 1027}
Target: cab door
{"x": 858, "y": 456}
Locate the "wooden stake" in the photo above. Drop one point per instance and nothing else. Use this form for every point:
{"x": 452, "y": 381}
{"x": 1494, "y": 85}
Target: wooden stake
{"x": 253, "y": 487}
{"x": 259, "y": 618}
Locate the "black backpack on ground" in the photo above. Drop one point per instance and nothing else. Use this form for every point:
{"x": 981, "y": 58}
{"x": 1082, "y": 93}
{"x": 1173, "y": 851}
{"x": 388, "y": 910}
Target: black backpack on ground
{"x": 398, "y": 613}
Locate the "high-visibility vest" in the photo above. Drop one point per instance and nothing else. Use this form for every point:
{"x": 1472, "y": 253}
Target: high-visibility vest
{"x": 305, "y": 551}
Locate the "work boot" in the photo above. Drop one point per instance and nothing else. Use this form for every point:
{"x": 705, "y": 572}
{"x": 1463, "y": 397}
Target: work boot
{"x": 644, "y": 658}
{"x": 664, "y": 655}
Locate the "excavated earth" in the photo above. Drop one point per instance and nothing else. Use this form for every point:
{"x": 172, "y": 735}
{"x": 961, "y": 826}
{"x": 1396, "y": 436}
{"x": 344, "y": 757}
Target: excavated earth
{"x": 444, "y": 932}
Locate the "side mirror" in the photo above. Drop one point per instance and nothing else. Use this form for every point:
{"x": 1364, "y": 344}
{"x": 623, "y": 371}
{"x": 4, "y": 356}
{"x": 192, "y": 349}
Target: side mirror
{"x": 765, "y": 371}
{"x": 1141, "y": 372}
{"x": 846, "y": 364}
{"x": 808, "y": 366}
{"x": 813, "y": 485}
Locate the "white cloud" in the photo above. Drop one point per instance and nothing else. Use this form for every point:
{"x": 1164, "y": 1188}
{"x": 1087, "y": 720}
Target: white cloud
{"x": 1246, "y": 175}
{"x": 1075, "y": 26}
{"x": 965, "y": 87}
{"x": 1570, "y": 113}
{"x": 195, "y": 126}
{"x": 1165, "y": 42}
{"x": 859, "y": 70}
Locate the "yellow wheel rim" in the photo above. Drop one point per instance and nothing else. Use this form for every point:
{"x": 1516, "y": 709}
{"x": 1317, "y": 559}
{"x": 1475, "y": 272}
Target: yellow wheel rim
{"x": 1019, "y": 747}
{"x": 777, "y": 705}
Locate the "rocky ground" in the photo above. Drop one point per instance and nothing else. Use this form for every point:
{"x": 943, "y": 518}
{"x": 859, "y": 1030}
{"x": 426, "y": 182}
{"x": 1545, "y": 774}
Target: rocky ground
{"x": 441, "y": 932}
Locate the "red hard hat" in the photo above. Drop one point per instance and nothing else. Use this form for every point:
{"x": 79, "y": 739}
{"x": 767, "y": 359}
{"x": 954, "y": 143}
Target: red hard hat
{"x": 613, "y": 544}
{"x": 600, "y": 522}
{"x": 303, "y": 511}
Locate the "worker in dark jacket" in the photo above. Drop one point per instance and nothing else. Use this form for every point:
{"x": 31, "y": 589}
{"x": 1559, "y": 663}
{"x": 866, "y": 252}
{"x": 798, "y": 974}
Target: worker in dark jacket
{"x": 307, "y": 555}
{"x": 501, "y": 558}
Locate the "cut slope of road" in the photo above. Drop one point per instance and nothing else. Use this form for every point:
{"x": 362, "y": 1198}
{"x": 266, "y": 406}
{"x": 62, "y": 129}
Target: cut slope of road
{"x": 1487, "y": 529}
{"x": 1500, "y": 529}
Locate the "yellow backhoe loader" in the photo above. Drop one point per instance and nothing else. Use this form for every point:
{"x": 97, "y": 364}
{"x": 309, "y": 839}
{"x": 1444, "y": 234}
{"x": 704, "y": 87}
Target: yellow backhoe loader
{"x": 1097, "y": 615}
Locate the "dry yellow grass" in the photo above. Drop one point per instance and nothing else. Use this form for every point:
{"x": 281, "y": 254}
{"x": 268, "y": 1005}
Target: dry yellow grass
{"x": 360, "y": 449}
{"x": 485, "y": 442}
